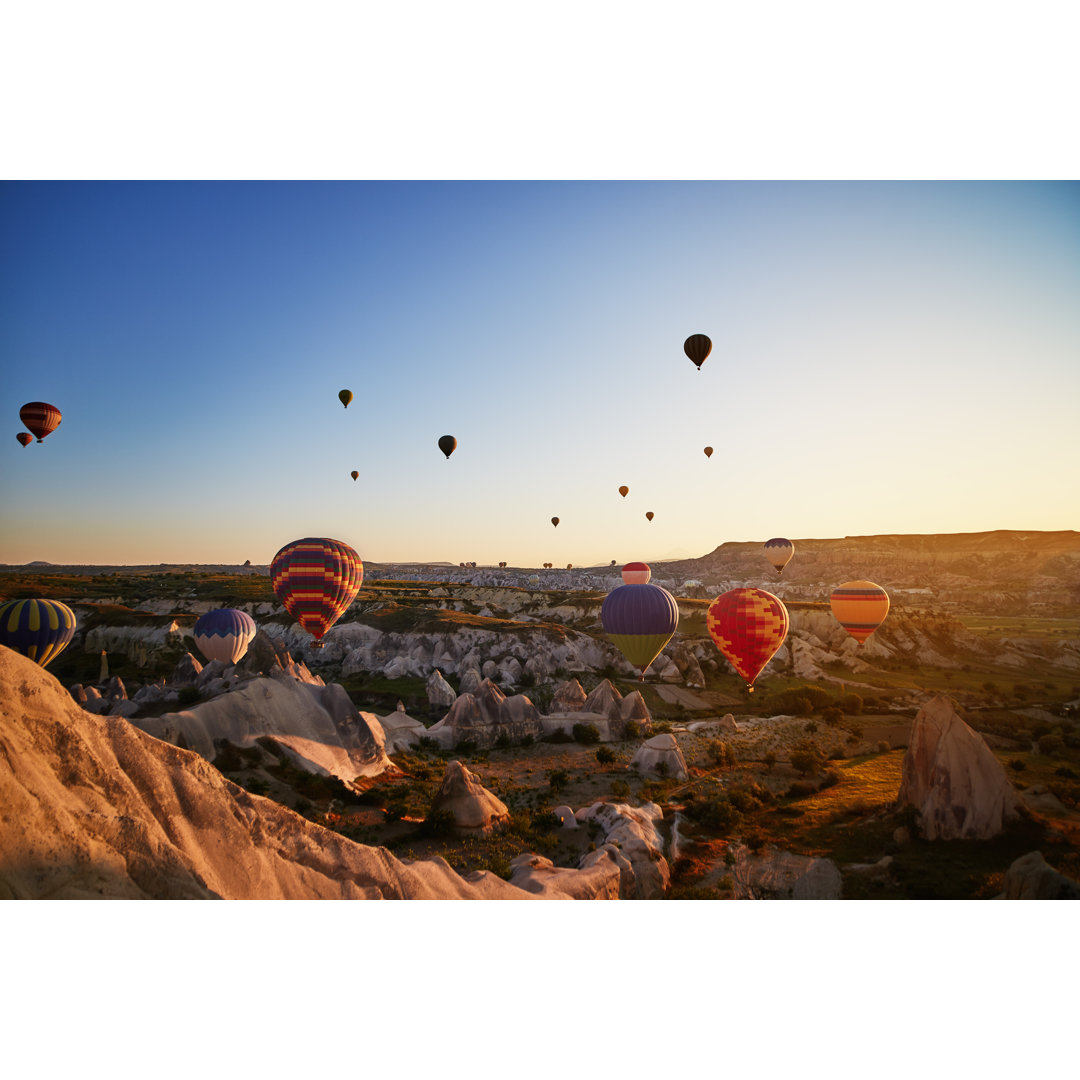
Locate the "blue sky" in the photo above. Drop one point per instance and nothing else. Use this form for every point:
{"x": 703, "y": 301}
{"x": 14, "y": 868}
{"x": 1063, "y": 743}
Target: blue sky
{"x": 887, "y": 357}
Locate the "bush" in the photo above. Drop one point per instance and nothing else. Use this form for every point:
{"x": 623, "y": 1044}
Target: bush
{"x": 717, "y": 814}
{"x": 851, "y": 703}
{"x": 605, "y": 755}
{"x": 721, "y": 753}
{"x": 832, "y": 715}
{"x": 587, "y": 734}
{"x": 557, "y": 780}
{"x": 188, "y": 696}
{"x": 1017, "y": 765}
{"x": 527, "y": 740}
{"x": 1051, "y": 745}
{"x": 438, "y": 823}
{"x": 830, "y": 779}
{"x": 810, "y": 727}
{"x": 769, "y": 759}
{"x": 633, "y": 729}
{"x": 807, "y": 757}
{"x": 559, "y": 737}
{"x": 502, "y": 742}
{"x": 800, "y": 789}
{"x": 620, "y": 789}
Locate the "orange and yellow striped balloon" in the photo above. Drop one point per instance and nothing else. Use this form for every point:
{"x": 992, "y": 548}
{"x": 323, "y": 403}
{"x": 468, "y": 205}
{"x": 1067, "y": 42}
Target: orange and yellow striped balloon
{"x": 860, "y": 607}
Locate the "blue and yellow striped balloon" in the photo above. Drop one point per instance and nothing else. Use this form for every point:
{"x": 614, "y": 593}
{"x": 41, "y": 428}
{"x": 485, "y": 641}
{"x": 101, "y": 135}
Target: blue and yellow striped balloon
{"x": 39, "y": 629}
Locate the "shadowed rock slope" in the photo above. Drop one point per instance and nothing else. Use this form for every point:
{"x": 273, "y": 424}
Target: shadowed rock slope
{"x": 91, "y": 807}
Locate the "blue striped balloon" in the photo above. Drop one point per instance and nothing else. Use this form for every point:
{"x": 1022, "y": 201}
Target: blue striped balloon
{"x": 224, "y": 634}
{"x": 39, "y": 629}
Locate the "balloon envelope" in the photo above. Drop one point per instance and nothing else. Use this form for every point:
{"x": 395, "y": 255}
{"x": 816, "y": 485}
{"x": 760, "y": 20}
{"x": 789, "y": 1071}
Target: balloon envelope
{"x": 316, "y": 579}
{"x": 25, "y": 438}
{"x": 40, "y": 418}
{"x": 639, "y": 620}
{"x": 224, "y": 634}
{"x": 39, "y": 629}
{"x": 624, "y": 491}
{"x": 345, "y": 396}
{"x": 708, "y": 451}
{"x": 447, "y": 444}
{"x": 748, "y": 626}
{"x": 860, "y": 607}
{"x": 779, "y": 551}
{"x": 697, "y": 347}
{"x": 555, "y": 521}
{"x": 354, "y": 474}
{"x": 636, "y": 573}
{"x": 649, "y": 515}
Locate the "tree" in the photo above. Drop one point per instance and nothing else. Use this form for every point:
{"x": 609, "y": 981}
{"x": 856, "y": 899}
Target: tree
{"x": 807, "y": 757}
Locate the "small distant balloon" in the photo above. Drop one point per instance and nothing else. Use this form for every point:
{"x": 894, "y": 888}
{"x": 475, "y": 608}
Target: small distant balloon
{"x": 355, "y": 475}
{"x": 25, "y": 438}
{"x": 555, "y": 522}
{"x": 697, "y": 347}
{"x": 40, "y": 417}
{"x": 447, "y": 444}
{"x": 860, "y": 607}
{"x": 708, "y": 451}
{"x": 569, "y": 566}
{"x": 648, "y": 515}
{"x": 636, "y": 573}
{"x": 502, "y": 564}
{"x": 612, "y": 562}
{"x": 624, "y": 491}
{"x": 345, "y": 396}
{"x": 778, "y": 551}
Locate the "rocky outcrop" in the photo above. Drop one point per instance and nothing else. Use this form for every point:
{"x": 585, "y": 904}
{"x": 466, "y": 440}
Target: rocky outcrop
{"x": 96, "y": 809}
{"x": 599, "y": 877}
{"x": 661, "y": 756}
{"x": 951, "y": 777}
{"x": 486, "y": 716}
{"x": 783, "y": 875}
{"x": 1031, "y": 877}
{"x": 569, "y": 697}
{"x": 318, "y": 726}
{"x": 476, "y": 811}
{"x": 440, "y": 693}
{"x": 268, "y": 656}
{"x": 401, "y": 731}
{"x": 634, "y": 842}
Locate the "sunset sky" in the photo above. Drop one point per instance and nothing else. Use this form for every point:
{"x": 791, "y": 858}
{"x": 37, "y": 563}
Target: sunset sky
{"x": 887, "y": 357}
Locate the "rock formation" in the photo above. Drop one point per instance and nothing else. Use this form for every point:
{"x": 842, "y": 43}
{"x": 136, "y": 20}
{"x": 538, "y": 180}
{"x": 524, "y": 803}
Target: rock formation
{"x": 783, "y": 875}
{"x": 661, "y": 756}
{"x": 633, "y": 841}
{"x": 401, "y": 730}
{"x": 475, "y": 810}
{"x": 318, "y": 726}
{"x": 1032, "y": 878}
{"x": 951, "y": 777}
{"x": 569, "y": 697}
{"x": 95, "y": 808}
{"x": 599, "y": 877}
{"x": 485, "y": 716}
{"x": 440, "y": 693}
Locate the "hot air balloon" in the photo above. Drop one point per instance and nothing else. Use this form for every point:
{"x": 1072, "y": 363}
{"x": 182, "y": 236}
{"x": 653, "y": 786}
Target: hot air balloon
{"x": 624, "y": 491}
{"x": 555, "y": 522}
{"x": 501, "y": 565}
{"x": 612, "y": 562}
{"x": 40, "y": 418}
{"x": 708, "y": 451}
{"x": 636, "y": 573}
{"x": 779, "y": 551}
{"x": 447, "y": 444}
{"x": 860, "y": 607}
{"x": 316, "y": 579}
{"x": 224, "y": 634}
{"x": 697, "y": 347}
{"x": 39, "y": 629}
{"x": 355, "y": 475}
{"x": 345, "y": 396}
{"x": 534, "y": 579}
{"x": 569, "y": 566}
{"x": 649, "y": 515}
{"x": 25, "y": 438}
{"x": 639, "y": 620}
{"x": 748, "y": 626}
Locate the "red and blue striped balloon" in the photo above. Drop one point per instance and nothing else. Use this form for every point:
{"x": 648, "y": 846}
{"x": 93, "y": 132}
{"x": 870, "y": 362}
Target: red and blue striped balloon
{"x": 316, "y": 579}
{"x": 224, "y": 634}
{"x": 39, "y": 629}
{"x": 639, "y": 620}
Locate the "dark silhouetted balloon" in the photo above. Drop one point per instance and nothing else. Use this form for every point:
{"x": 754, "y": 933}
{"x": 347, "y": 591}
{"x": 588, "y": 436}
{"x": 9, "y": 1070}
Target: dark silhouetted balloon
{"x": 555, "y": 522}
{"x": 649, "y": 515}
{"x": 697, "y": 347}
{"x": 708, "y": 451}
{"x": 447, "y": 444}
{"x": 224, "y": 634}
{"x": 40, "y": 418}
{"x": 355, "y": 475}
{"x": 779, "y": 551}
{"x": 316, "y": 579}
{"x": 624, "y": 491}
{"x": 39, "y": 629}
{"x": 748, "y": 627}
{"x": 345, "y": 396}
{"x": 639, "y": 620}
{"x": 25, "y": 438}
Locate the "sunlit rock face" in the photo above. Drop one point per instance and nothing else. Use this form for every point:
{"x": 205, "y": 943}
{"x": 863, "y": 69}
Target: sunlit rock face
{"x": 475, "y": 810}
{"x": 661, "y": 756}
{"x": 951, "y": 777}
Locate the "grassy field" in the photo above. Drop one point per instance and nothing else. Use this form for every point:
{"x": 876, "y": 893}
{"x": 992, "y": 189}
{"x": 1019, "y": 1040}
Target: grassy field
{"x": 1033, "y": 628}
